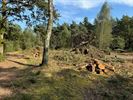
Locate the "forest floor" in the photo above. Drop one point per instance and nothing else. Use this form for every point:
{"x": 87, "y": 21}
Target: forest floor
{"x": 21, "y": 79}
{"x": 8, "y": 73}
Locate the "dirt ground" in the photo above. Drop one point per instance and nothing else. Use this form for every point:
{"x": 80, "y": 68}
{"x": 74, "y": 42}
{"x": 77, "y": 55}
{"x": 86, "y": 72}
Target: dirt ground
{"x": 9, "y": 70}
{"x": 8, "y": 73}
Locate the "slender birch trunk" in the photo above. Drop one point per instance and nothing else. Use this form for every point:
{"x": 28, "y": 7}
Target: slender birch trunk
{"x": 49, "y": 31}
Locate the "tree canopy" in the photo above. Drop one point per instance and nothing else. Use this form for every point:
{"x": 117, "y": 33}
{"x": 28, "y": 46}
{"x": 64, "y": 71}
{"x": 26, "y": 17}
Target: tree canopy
{"x": 103, "y": 27}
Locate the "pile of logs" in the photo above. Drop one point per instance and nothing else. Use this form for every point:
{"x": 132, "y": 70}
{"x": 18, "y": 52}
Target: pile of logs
{"x": 97, "y": 67}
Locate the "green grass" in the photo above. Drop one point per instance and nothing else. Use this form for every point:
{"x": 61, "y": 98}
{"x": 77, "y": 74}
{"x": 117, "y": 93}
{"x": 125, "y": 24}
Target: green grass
{"x": 2, "y": 57}
{"x": 69, "y": 84}
{"x": 67, "y": 57}
{"x": 112, "y": 59}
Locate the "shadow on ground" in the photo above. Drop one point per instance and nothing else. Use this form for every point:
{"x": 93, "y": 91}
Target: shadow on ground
{"x": 69, "y": 84}
{"x": 10, "y": 71}
{"x": 20, "y": 63}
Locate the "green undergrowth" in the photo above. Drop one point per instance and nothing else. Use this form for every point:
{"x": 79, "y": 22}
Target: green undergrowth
{"x": 2, "y": 57}
{"x": 67, "y": 57}
{"x": 69, "y": 84}
{"x": 34, "y": 61}
{"x": 113, "y": 59}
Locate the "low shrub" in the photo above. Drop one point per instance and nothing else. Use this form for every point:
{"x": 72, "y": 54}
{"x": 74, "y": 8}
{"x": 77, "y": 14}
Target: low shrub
{"x": 1, "y": 57}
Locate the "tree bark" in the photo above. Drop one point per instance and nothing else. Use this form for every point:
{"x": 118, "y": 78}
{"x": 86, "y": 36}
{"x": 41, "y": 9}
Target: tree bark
{"x": 3, "y": 26}
{"x": 1, "y": 44}
{"x": 49, "y": 31}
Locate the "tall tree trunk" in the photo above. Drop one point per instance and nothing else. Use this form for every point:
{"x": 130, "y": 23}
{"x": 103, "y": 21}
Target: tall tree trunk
{"x": 3, "y": 26}
{"x": 49, "y": 31}
{"x": 1, "y": 44}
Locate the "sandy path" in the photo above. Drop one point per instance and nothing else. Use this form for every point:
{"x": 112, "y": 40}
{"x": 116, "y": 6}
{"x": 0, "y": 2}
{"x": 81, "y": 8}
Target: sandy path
{"x": 8, "y": 73}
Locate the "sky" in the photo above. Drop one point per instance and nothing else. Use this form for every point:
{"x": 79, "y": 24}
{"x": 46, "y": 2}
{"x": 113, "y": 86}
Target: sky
{"x": 78, "y": 9}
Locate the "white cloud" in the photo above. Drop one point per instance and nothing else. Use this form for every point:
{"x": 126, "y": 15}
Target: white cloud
{"x": 126, "y": 2}
{"x": 87, "y": 4}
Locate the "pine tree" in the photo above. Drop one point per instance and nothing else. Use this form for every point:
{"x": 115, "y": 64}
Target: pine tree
{"x": 103, "y": 27}
{"x": 65, "y": 36}
{"x": 87, "y": 24}
{"x": 75, "y": 31}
